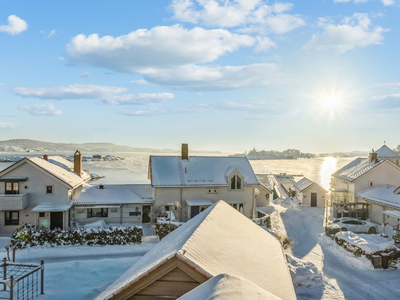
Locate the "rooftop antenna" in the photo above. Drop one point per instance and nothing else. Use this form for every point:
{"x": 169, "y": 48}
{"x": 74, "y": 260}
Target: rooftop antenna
{"x": 384, "y": 142}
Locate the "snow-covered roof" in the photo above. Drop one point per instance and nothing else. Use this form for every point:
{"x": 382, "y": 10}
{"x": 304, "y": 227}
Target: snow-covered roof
{"x": 115, "y": 194}
{"x": 196, "y": 202}
{"x": 381, "y": 194}
{"x": 198, "y": 170}
{"x": 46, "y": 206}
{"x": 304, "y": 183}
{"x": 226, "y": 286}
{"x": 218, "y": 240}
{"x": 355, "y": 169}
{"x": 56, "y": 166}
{"x": 393, "y": 213}
{"x": 385, "y": 152}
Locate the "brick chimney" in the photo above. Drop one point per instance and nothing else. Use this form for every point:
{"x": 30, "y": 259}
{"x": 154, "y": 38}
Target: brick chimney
{"x": 373, "y": 157}
{"x": 78, "y": 163}
{"x": 185, "y": 152}
{"x": 46, "y": 157}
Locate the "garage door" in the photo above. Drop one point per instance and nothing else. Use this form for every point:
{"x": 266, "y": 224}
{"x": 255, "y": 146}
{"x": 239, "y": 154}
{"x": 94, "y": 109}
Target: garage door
{"x": 377, "y": 214}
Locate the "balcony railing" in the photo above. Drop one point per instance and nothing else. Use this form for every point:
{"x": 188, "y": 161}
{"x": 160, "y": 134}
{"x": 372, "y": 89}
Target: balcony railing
{"x": 14, "y": 201}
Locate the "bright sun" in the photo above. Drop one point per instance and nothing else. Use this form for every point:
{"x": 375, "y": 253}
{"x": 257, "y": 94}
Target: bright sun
{"x": 331, "y": 103}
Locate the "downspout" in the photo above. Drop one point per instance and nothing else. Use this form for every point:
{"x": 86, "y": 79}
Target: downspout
{"x": 181, "y": 209}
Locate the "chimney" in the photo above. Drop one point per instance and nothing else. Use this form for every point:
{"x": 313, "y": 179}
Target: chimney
{"x": 46, "y": 157}
{"x": 185, "y": 151}
{"x": 78, "y": 163}
{"x": 373, "y": 157}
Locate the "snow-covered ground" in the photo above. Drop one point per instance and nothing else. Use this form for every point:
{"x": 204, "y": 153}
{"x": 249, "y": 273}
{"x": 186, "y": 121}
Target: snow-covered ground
{"x": 323, "y": 270}
{"x": 79, "y": 272}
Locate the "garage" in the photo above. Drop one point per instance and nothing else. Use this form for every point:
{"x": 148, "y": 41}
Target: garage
{"x": 377, "y": 213}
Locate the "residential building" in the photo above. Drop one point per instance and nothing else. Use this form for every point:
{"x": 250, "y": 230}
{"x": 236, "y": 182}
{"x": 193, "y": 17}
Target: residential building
{"x": 309, "y": 193}
{"x": 380, "y": 168}
{"x": 39, "y": 191}
{"x": 187, "y": 184}
{"x": 217, "y": 241}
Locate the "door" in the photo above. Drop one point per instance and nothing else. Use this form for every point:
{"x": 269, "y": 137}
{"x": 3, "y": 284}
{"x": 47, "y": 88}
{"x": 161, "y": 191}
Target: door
{"x": 146, "y": 209}
{"x": 56, "y": 220}
{"x": 313, "y": 199}
{"x": 194, "y": 211}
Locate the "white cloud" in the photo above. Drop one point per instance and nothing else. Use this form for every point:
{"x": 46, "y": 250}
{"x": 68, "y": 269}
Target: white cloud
{"x": 264, "y": 44}
{"x": 52, "y": 32}
{"x": 7, "y": 125}
{"x": 141, "y": 99}
{"x": 15, "y": 25}
{"x": 76, "y": 91}
{"x": 1, "y": 84}
{"x": 85, "y": 75}
{"x": 140, "y": 50}
{"x": 239, "y": 13}
{"x": 140, "y": 81}
{"x": 383, "y": 97}
{"x": 388, "y": 2}
{"x": 387, "y": 85}
{"x": 150, "y": 112}
{"x": 385, "y": 2}
{"x": 355, "y": 31}
{"x": 193, "y": 77}
{"x": 47, "y": 109}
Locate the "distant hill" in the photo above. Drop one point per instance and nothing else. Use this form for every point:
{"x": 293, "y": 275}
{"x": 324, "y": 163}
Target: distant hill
{"x": 26, "y": 145}
{"x": 346, "y": 154}
{"x": 272, "y": 154}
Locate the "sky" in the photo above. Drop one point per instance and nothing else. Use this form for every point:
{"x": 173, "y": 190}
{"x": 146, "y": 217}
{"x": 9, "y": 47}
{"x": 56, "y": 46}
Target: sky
{"x": 318, "y": 76}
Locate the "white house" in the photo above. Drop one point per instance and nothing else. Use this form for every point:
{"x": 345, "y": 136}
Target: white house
{"x": 309, "y": 193}
{"x": 359, "y": 175}
{"x": 188, "y": 185}
{"x": 113, "y": 203}
{"x": 219, "y": 240}
{"x": 38, "y": 191}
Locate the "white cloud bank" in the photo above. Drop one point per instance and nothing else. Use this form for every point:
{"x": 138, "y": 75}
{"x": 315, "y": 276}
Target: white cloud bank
{"x": 47, "y": 109}
{"x": 7, "y": 125}
{"x": 385, "y": 2}
{"x": 140, "y": 51}
{"x": 15, "y": 25}
{"x": 106, "y": 94}
{"x": 255, "y": 14}
{"x": 387, "y": 85}
{"x": 355, "y": 31}
{"x": 200, "y": 78}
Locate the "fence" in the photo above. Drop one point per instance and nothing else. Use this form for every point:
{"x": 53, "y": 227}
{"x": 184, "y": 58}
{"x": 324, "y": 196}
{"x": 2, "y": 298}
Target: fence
{"x": 21, "y": 281}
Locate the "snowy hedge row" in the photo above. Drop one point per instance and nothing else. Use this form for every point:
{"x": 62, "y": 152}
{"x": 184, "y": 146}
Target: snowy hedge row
{"x": 163, "y": 229}
{"x": 264, "y": 221}
{"x": 26, "y": 236}
{"x": 359, "y": 251}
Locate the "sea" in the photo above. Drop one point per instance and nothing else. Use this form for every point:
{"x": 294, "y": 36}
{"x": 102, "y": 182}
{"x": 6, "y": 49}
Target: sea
{"x": 133, "y": 168}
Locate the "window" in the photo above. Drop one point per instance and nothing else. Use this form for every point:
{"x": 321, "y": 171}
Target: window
{"x": 49, "y": 189}
{"x": 212, "y": 191}
{"x": 12, "y": 188}
{"x": 97, "y": 213}
{"x": 236, "y": 183}
{"x": 238, "y": 206}
{"x": 41, "y": 215}
{"x": 11, "y": 218}
{"x": 134, "y": 213}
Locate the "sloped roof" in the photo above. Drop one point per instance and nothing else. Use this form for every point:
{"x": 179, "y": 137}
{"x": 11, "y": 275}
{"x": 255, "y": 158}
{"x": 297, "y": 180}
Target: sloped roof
{"x": 226, "y": 286}
{"x": 385, "y": 152}
{"x": 46, "y": 206}
{"x": 381, "y": 194}
{"x": 56, "y": 166}
{"x": 116, "y": 194}
{"x": 355, "y": 169}
{"x": 198, "y": 170}
{"x": 218, "y": 240}
{"x": 304, "y": 183}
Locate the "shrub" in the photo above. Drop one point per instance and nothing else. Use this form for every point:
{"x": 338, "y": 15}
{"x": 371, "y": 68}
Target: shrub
{"x": 163, "y": 229}
{"x": 332, "y": 229}
{"x": 285, "y": 241}
{"x": 26, "y": 236}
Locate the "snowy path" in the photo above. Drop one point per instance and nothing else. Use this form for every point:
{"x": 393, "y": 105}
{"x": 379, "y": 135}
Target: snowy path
{"x": 347, "y": 277}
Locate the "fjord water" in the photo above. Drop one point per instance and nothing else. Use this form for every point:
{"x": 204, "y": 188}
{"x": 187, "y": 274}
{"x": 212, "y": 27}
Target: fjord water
{"x": 134, "y": 168}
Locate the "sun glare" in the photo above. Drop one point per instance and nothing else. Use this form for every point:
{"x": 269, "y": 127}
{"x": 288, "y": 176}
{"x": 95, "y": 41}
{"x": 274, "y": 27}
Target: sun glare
{"x": 331, "y": 103}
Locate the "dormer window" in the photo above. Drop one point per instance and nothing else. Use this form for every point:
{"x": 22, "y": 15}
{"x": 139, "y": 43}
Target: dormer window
{"x": 236, "y": 182}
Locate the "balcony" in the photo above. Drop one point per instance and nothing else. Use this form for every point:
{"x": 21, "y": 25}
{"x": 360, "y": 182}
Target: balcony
{"x": 14, "y": 201}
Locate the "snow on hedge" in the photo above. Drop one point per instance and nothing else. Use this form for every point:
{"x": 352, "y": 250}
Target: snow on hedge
{"x": 369, "y": 243}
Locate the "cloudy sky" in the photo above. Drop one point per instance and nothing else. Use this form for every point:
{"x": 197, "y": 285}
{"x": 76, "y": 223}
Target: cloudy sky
{"x": 317, "y": 75}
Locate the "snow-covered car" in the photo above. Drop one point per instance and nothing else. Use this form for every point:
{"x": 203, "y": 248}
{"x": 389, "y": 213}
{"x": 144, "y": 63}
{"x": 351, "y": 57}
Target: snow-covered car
{"x": 359, "y": 226}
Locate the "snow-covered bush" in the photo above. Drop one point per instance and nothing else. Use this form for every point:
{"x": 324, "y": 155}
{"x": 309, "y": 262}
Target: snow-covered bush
{"x": 26, "y": 236}
{"x": 332, "y": 229}
{"x": 163, "y": 229}
{"x": 264, "y": 221}
{"x": 366, "y": 245}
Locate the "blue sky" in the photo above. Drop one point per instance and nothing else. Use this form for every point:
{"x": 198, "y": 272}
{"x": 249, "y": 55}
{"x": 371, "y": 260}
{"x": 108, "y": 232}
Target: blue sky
{"x": 318, "y": 76}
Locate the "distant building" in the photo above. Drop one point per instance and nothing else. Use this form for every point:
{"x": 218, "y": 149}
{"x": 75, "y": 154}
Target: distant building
{"x": 189, "y": 184}
{"x": 309, "y": 193}
{"x": 217, "y": 241}
{"x": 348, "y": 183}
